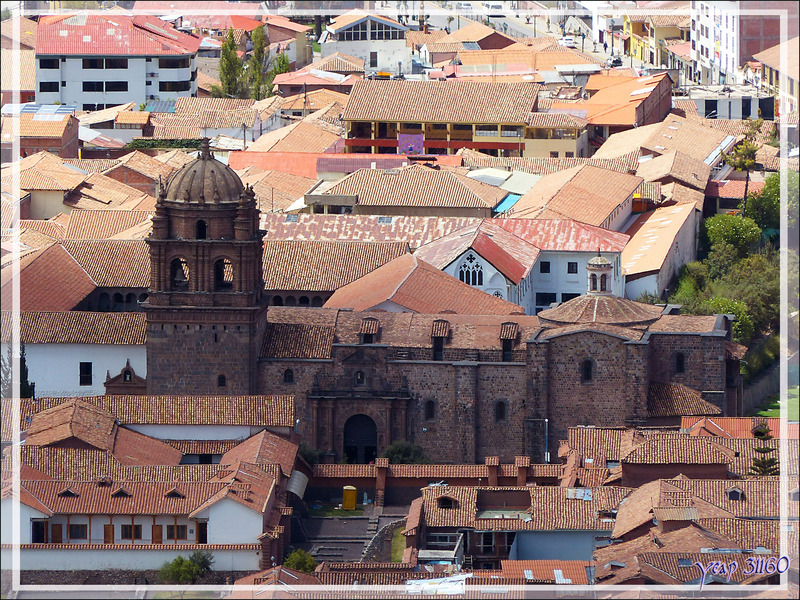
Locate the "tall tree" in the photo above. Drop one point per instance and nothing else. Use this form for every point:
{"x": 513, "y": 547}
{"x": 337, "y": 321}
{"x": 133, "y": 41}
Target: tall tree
{"x": 743, "y": 157}
{"x": 764, "y": 465}
{"x": 26, "y": 389}
{"x": 256, "y": 67}
{"x": 230, "y": 68}
{"x": 279, "y": 65}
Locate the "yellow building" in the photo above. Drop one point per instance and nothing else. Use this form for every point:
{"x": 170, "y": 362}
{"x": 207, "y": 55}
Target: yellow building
{"x": 781, "y": 80}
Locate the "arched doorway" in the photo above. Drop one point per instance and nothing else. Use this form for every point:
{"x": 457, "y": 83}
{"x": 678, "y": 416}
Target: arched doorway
{"x": 360, "y": 439}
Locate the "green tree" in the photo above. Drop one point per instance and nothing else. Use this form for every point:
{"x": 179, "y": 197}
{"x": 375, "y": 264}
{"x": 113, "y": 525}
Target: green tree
{"x": 741, "y": 232}
{"x": 256, "y": 67}
{"x": 279, "y": 65}
{"x": 649, "y": 298}
{"x": 180, "y": 571}
{"x": 692, "y": 286}
{"x": 755, "y": 281}
{"x": 5, "y": 14}
{"x": 300, "y": 560}
{"x": 26, "y": 389}
{"x": 405, "y": 453}
{"x": 763, "y": 464}
{"x": 742, "y": 325}
{"x": 721, "y": 258}
{"x": 203, "y": 559}
{"x": 743, "y": 157}
{"x": 764, "y": 207}
{"x": 231, "y": 70}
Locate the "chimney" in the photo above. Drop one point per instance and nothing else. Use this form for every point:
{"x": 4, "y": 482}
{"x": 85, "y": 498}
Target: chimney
{"x": 425, "y": 30}
{"x": 522, "y": 463}
{"x": 493, "y": 466}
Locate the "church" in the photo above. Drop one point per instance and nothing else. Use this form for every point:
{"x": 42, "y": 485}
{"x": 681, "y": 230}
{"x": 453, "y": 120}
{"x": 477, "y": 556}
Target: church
{"x": 463, "y": 387}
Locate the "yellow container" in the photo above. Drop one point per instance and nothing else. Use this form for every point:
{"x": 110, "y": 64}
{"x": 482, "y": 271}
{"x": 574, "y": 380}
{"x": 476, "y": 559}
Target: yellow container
{"x": 349, "y": 494}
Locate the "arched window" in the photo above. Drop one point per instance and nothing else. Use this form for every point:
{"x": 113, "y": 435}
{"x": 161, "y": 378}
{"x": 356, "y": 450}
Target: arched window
{"x": 500, "y": 412}
{"x": 200, "y": 230}
{"x": 223, "y": 274}
{"x": 104, "y": 303}
{"x": 290, "y": 301}
{"x": 179, "y": 274}
{"x": 603, "y": 279}
{"x": 277, "y": 301}
{"x": 587, "y": 368}
{"x": 430, "y": 410}
{"x": 221, "y": 381}
{"x": 304, "y": 301}
{"x": 130, "y": 302}
{"x": 680, "y": 362}
{"x": 593, "y": 280}
{"x": 126, "y": 375}
{"x": 471, "y": 271}
{"x": 288, "y": 376}
{"x": 316, "y": 301}
{"x": 142, "y": 298}
{"x": 359, "y": 378}
{"x": 119, "y": 303}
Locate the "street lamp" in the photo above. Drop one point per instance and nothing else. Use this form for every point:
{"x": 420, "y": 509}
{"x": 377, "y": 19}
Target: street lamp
{"x": 583, "y": 39}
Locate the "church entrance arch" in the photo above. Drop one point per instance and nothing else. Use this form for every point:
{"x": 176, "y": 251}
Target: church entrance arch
{"x": 360, "y": 439}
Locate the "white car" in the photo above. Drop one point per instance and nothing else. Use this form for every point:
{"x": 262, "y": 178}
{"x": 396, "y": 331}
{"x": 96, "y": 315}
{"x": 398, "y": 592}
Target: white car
{"x": 568, "y": 42}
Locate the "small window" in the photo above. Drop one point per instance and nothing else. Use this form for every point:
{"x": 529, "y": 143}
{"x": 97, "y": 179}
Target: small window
{"x": 223, "y": 274}
{"x": 553, "y": 154}
{"x": 85, "y": 373}
{"x": 288, "y": 376}
{"x": 92, "y": 86}
{"x": 48, "y": 63}
{"x": 438, "y": 348}
{"x": 447, "y": 502}
{"x": 221, "y": 381}
{"x": 77, "y": 532}
{"x": 367, "y": 338}
{"x": 544, "y": 266}
{"x": 373, "y": 60}
{"x": 126, "y": 376}
{"x": 734, "y": 494}
{"x": 174, "y": 493}
{"x": 680, "y": 362}
{"x": 587, "y": 368}
{"x": 116, "y": 86}
{"x": 176, "y": 532}
{"x": 92, "y": 63}
{"x": 359, "y": 378}
{"x": 116, "y": 63}
{"x": 48, "y": 86}
{"x": 567, "y": 296}
{"x": 545, "y": 298}
{"x": 131, "y": 532}
{"x": 500, "y": 412}
{"x": 593, "y": 283}
{"x": 572, "y": 267}
{"x": 430, "y": 410}
{"x": 508, "y": 350}
{"x": 603, "y": 282}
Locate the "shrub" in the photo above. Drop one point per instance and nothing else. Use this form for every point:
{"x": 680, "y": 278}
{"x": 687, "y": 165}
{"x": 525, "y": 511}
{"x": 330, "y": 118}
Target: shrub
{"x": 300, "y": 560}
{"x": 742, "y": 325}
{"x": 180, "y": 571}
{"x": 741, "y": 232}
{"x": 405, "y": 453}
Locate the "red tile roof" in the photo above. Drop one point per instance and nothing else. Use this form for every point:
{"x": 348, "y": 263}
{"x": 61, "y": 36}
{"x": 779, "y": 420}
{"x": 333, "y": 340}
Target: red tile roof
{"x": 678, "y": 449}
{"x": 564, "y": 235}
{"x": 418, "y": 287}
{"x": 732, "y": 189}
{"x": 675, "y": 399}
{"x": 601, "y": 309}
{"x": 113, "y": 263}
{"x": 264, "y": 447}
{"x": 77, "y": 327}
{"x": 101, "y": 224}
{"x": 574, "y": 572}
{"x": 297, "y": 340}
{"x": 111, "y": 35}
{"x": 736, "y": 427}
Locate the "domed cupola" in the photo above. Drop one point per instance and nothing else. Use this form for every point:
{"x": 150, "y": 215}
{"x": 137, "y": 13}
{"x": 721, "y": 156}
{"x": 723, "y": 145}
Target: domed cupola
{"x": 205, "y": 180}
{"x": 599, "y": 270}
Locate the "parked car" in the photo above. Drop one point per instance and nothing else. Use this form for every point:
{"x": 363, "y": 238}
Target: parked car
{"x": 614, "y": 61}
{"x": 568, "y": 42}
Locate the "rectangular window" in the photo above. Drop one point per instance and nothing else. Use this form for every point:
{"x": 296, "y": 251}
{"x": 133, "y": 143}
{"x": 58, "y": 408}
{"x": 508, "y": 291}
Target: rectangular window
{"x": 92, "y": 63}
{"x": 569, "y": 154}
{"x": 131, "y": 532}
{"x": 92, "y": 86}
{"x": 174, "y": 86}
{"x": 48, "y": 63}
{"x": 486, "y": 542}
{"x": 567, "y": 296}
{"x": 545, "y": 299}
{"x": 86, "y": 373}
{"x": 572, "y": 267}
{"x": 116, "y": 86}
{"x": 438, "y": 348}
{"x": 486, "y": 130}
{"x": 373, "y": 59}
{"x": 116, "y": 63}
{"x": 553, "y": 154}
{"x": 48, "y": 86}
{"x": 544, "y": 266}
{"x": 77, "y": 532}
{"x": 174, "y": 63}
{"x": 176, "y": 532}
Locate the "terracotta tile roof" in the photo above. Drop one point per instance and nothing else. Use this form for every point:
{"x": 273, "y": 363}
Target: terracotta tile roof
{"x": 675, "y": 399}
{"x": 33, "y": 125}
{"x": 417, "y": 39}
{"x": 414, "y": 230}
{"x": 410, "y": 330}
{"x": 27, "y": 69}
{"x": 771, "y": 58}
{"x": 564, "y": 235}
{"x": 556, "y": 120}
{"x": 285, "y": 23}
{"x": 419, "y": 287}
{"x": 39, "y": 290}
{"x": 105, "y": 115}
{"x": 100, "y": 191}
{"x": 600, "y": 444}
{"x": 206, "y": 81}
{"x": 733, "y": 189}
{"x": 297, "y": 340}
{"x": 27, "y": 31}
{"x": 352, "y": 17}
{"x": 323, "y": 266}
{"x": 474, "y": 31}
{"x": 77, "y": 327}
{"x": 575, "y": 572}
{"x": 744, "y": 451}
{"x": 144, "y": 547}
{"x": 187, "y": 129}
{"x": 736, "y": 427}
{"x": 653, "y": 236}
{"x": 622, "y": 332}
{"x": 338, "y": 62}
{"x": 684, "y": 324}
{"x": 667, "y": 568}
{"x": 264, "y": 447}
{"x": 92, "y": 165}
{"x": 51, "y": 229}
{"x": 315, "y": 78}
{"x": 29, "y": 239}
{"x": 313, "y": 100}
{"x": 308, "y": 135}
{"x": 176, "y": 158}
{"x": 44, "y": 171}
{"x": 114, "y": 35}
{"x": 102, "y": 260}
{"x": 349, "y": 471}
{"x": 91, "y": 224}
{"x": 441, "y": 101}
{"x": 678, "y": 166}
{"x": 678, "y": 449}
{"x": 417, "y": 186}
{"x": 256, "y": 411}
{"x": 202, "y": 446}
{"x": 627, "y": 163}
{"x": 359, "y": 577}
{"x": 146, "y": 165}
{"x": 133, "y": 117}
{"x": 599, "y": 309}
{"x": 510, "y": 254}
{"x": 585, "y": 193}
{"x": 748, "y": 534}
{"x": 770, "y": 159}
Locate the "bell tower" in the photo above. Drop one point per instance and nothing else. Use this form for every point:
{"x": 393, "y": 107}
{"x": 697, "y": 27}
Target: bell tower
{"x": 599, "y": 271}
{"x": 205, "y": 313}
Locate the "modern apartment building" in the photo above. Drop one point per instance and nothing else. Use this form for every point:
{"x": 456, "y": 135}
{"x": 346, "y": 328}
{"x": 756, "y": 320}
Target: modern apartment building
{"x": 96, "y": 61}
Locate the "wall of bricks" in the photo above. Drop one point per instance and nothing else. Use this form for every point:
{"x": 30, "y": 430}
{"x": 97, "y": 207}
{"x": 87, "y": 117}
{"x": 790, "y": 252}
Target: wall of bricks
{"x": 134, "y": 179}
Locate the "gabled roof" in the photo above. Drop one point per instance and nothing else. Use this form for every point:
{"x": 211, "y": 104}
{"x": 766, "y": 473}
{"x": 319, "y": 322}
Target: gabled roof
{"x": 475, "y": 32}
{"x": 275, "y": 190}
{"x": 321, "y": 265}
{"x": 652, "y": 238}
{"x": 626, "y": 163}
{"x": 77, "y": 327}
{"x": 310, "y": 134}
{"x": 27, "y": 32}
{"x": 735, "y": 427}
{"x": 111, "y": 35}
{"x": 144, "y": 164}
{"x": 441, "y": 101}
{"x": 564, "y": 235}
{"x": 106, "y": 114}
{"x": 418, "y": 287}
{"x": 678, "y": 166}
{"x": 89, "y": 224}
{"x": 573, "y": 572}
{"x": 264, "y": 447}
{"x": 113, "y": 263}
{"x": 417, "y": 185}
{"x": 511, "y": 255}
{"x": 297, "y": 340}
{"x": 584, "y": 193}
{"x": 44, "y": 171}
{"x": 675, "y": 399}
{"x": 353, "y": 17}
{"x": 101, "y": 191}
{"x": 678, "y": 449}
{"x": 772, "y": 58}
{"x": 313, "y": 100}
{"x": 338, "y": 62}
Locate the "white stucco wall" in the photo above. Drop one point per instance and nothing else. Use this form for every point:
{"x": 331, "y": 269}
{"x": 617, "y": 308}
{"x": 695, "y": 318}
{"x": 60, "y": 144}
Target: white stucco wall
{"x": 26, "y": 513}
{"x": 55, "y": 368}
{"x": 635, "y": 288}
{"x": 46, "y": 204}
{"x": 559, "y": 281}
{"x": 195, "y": 432}
{"x": 390, "y": 52}
{"x": 230, "y": 522}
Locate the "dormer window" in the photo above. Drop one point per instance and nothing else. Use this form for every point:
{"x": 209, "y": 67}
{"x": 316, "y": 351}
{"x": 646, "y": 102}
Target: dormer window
{"x": 447, "y": 502}
{"x": 440, "y": 330}
{"x": 369, "y": 330}
{"x": 174, "y": 493}
{"x": 735, "y": 494}
{"x": 120, "y": 493}
{"x": 68, "y": 493}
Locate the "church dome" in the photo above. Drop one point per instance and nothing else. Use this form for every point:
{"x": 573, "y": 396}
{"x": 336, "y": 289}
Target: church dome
{"x": 600, "y": 309}
{"x": 205, "y": 180}
{"x": 598, "y": 262}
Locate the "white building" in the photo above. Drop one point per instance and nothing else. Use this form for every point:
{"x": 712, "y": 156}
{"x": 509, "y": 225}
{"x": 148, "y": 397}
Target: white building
{"x": 97, "y": 61}
{"x": 379, "y": 41}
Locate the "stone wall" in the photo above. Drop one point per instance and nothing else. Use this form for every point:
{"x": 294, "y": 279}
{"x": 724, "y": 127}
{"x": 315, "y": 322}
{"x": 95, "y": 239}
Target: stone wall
{"x": 379, "y": 548}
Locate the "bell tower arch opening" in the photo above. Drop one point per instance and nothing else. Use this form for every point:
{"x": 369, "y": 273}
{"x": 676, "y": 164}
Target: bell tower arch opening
{"x": 360, "y": 439}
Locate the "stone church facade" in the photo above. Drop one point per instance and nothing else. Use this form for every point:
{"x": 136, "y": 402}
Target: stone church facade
{"x": 463, "y": 387}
